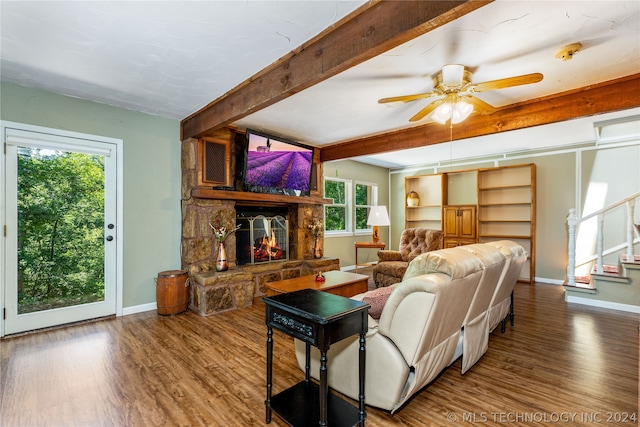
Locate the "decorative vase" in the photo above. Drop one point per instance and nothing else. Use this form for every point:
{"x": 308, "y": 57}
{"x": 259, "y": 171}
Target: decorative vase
{"x": 317, "y": 250}
{"x": 221, "y": 260}
{"x": 413, "y": 199}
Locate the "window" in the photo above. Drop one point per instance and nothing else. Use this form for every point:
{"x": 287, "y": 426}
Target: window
{"x": 337, "y": 217}
{"x": 366, "y": 195}
{"x": 350, "y": 210}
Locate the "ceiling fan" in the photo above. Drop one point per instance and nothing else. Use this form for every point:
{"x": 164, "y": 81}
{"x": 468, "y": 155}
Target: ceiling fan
{"x": 453, "y": 87}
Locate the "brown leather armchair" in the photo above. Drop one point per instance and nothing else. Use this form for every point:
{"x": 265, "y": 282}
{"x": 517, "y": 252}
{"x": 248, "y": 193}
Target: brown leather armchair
{"x": 413, "y": 242}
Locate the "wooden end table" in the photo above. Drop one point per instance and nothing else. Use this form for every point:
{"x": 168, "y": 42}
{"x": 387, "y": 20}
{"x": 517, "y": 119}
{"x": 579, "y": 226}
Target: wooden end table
{"x": 341, "y": 283}
{"x": 367, "y": 245}
{"x": 319, "y": 319}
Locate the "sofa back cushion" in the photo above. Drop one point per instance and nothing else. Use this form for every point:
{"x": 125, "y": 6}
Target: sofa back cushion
{"x": 494, "y": 266}
{"x": 454, "y": 262}
{"x": 430, "y": 304}
{"x": 416, "y": 241}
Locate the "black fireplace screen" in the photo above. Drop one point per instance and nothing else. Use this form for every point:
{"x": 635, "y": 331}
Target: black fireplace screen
{"x": 262, "y": 239}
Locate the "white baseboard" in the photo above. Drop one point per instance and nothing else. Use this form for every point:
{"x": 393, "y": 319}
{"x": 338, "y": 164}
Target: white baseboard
{"x": 353, "y": 267}
{"x": 578, "y": 300}
{"x": 549, "y": 281}
{"x": 139, "y": 308}
{"x": 603, "y": 304}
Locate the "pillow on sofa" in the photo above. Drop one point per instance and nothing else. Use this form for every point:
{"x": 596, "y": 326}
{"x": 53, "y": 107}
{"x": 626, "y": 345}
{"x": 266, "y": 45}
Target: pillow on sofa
{"x": 377, "y": 299}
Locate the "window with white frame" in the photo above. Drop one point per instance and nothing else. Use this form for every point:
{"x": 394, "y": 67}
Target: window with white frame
{"x": 365, "y": 196}
{"x": 350, "y": 209}
{"x": 337, "y": 216}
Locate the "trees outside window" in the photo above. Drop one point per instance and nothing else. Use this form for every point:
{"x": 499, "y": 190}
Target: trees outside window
{"x": 350, "y": 209}
{"x": 366, "y": 195}
{"x": 337, "y": 215}
{"x": 60, "y": 223}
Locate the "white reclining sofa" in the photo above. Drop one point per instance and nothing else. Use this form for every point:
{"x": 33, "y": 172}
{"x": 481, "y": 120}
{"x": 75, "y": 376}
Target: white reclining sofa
{"x": 441, "y": 310}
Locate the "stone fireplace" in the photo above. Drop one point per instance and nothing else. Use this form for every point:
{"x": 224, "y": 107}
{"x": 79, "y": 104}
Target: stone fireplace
{"x": 213, "y": 292}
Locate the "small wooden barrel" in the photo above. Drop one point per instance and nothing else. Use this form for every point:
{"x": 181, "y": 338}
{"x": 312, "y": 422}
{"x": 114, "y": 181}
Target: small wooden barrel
{"x": 172, "y": 291}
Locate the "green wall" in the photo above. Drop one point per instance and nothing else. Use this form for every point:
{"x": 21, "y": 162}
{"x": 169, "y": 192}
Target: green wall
{"x": 343, "y": 247}
{"x": 151, "y": 175}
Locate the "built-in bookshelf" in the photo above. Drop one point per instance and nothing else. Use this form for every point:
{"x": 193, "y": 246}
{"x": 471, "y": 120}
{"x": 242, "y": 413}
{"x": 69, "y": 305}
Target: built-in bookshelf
{"x": 428, "y": 212}
{"x": 506, "y": 209}
{"x": 478, "y": 205}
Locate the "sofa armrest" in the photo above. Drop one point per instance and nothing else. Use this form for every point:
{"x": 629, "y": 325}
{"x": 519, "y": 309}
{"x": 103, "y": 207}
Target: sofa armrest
{"x": 389, "y": 255}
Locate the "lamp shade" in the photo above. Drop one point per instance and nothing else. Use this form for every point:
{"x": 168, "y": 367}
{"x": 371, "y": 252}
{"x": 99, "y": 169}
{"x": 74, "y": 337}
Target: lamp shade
{"x": 378, "y": 216}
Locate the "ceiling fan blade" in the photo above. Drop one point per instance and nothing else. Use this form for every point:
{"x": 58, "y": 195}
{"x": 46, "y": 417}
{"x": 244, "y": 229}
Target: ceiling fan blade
{"x": 524, "y": 79}
{"x": 426, "y": 110}
{"x": 407, "y": 98}
{"x": 478, "y": 104}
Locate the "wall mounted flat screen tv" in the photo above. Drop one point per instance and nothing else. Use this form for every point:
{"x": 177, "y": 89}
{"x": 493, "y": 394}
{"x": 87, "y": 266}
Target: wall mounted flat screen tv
{"x": 276, "y": 165}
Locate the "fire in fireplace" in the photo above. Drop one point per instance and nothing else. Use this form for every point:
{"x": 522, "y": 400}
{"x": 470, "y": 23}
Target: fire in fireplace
{"x": 262, "y": 238}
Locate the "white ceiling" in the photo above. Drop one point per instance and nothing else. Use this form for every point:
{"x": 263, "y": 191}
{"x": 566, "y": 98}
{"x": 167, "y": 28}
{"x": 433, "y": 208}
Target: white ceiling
{"x": 164, "y": 58}
{"x": 172, "y": 58}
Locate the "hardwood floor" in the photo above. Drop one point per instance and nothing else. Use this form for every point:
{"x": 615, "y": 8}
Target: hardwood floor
{"x": 560, "y": 364}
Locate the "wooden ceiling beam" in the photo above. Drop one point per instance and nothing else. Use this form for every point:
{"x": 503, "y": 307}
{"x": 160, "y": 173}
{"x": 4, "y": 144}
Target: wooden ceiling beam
{"x": 613, "y": 95}
{"x": 367, "y": 32}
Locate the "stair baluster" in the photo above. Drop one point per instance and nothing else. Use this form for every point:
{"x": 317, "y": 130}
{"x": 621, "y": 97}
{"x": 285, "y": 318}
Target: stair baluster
{"x": 632, "y": 236}
{"x": 630, "y": 212}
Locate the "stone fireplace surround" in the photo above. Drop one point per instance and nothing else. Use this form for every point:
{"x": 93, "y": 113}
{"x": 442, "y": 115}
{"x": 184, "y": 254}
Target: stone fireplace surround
{"x": 212, "y": 292}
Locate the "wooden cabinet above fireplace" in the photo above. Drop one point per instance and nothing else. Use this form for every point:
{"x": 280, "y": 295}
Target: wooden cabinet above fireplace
{"x": 214, "y": 162}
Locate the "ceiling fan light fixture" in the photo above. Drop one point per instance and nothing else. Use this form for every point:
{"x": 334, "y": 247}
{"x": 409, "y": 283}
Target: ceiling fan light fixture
{"x": 442, "y": 113}
{"x": 461, "y": 110}
{"x": 454, "y": 111}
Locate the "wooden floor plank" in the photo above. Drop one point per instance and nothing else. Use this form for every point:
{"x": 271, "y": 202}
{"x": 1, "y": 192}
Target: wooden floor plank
{"x": 188, "y": 370}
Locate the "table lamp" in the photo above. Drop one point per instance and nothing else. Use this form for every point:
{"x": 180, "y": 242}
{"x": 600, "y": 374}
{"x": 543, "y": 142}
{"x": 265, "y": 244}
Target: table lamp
{"x": 377, "y": 217}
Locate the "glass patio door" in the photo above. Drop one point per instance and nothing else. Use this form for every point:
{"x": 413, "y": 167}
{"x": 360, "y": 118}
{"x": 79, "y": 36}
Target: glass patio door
{"x": 60, "y": 239}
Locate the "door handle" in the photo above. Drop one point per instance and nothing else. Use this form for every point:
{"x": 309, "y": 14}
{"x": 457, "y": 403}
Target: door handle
{"x": 109, "y": 238}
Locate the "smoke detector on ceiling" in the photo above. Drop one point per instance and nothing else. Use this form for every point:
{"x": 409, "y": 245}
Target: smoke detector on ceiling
{"x": 566, "y": 53}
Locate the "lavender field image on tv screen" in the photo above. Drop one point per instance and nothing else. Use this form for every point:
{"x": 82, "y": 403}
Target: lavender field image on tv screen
{"x": 279, "y": 169}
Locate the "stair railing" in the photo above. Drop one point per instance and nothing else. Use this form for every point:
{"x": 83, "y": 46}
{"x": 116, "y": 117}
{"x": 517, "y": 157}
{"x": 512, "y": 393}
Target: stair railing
{"x": 632, "y": 232}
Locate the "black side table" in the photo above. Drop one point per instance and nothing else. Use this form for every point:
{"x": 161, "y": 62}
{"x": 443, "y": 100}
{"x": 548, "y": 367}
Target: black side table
{"x": 319, "y": 319}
